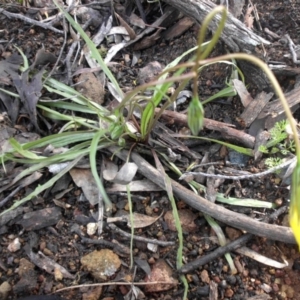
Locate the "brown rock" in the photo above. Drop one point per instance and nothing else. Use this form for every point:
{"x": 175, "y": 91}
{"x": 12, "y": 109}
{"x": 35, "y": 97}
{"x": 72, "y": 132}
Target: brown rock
{"x": 5, "y": 288}
{"x": 149, "y": 72}
{"x": 229, "y": 293}
{"x": 101, "y": 264}
{"x": 186, "y": 220}
{"x": 160, "y": 272}
{"x": 204, "y": 276}
{"x": 93, "y": 294}
{"x": 28, "y": 277}
{"x": 232, "y": 233}
{"x": 90, "y": 87}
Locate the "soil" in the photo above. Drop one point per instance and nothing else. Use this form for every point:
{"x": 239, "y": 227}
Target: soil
{"x": 57, "y": 222}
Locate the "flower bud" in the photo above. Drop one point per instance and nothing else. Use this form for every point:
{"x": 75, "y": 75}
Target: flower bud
{"x": 116, "y": 131}
{"x": 195, "y": 116}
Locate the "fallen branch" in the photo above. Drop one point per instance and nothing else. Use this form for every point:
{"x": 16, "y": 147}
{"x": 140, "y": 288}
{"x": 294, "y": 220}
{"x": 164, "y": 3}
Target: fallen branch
{"x": 227, "y": 132}
{"x": 125, "y": 234}
{"x": 235, "y": 35}
{"x": 273, "y": 232}
{"x": 30, "y": 21}
{"x": 234, "y": 245}
{"x": 195, "y": 264}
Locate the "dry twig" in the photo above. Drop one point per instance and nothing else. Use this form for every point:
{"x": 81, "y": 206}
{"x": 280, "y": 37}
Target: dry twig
{"x": 30, "y": 21}
{"x": 273, "y": 232}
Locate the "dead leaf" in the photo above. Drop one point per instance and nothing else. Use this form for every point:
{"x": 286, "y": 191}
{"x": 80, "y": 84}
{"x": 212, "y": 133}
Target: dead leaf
{"x": 130, "y": 31}
{"x": 242, "y": 92}
{"x": 236, "y": 7}
{"x": 139, "y": 220}
{"x": 101, "y": 34}
{"x": 148, "y": 41}
{"x": 43, "y": 58}
{"x": 261, "y": 138}
{"x": 110, "y": 170}
{"x": 11, "y": 104}
{"x": 113, "y": 51}
{"x": 136, "y": 21}
{"x": 30, "y": 93}
{"x": 134, "y": 293}
{"x": 178, "y": 28}
{"x": 143, "y": 264}
{"x": 115, "y": 93}
{"x": 123, "y": 176}
{"x": 6, "y": 133}
{"x": 211, "y": 192}
{"x": 252, "y": 111}
{"x": 45, "y": 263}
{"x": 84, "y": 178}
{"x": 118, "y": 30}
{"x": 9, "y": 68}
{"x": 144, "y": 185}
{"x": 249, "y": 19}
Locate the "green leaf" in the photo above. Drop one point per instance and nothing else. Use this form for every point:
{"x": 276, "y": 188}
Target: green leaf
{"x": 25, "y": 60}
{"x": 95, "y": 53}
{"x": 222, "y": 240}
{"x": 70, "y": 106}
{"x": 25, "y": 153}
{"x": 93, "y": 162}
{"x": 161, "y": 90}
{"x": 43, "y": 187}
{"x": 226, "y": 92}
{"x": 245, "y": 151}
{"x": 263, "y": 149}
{"x": 244, "y": 202}
{"x": 60, "y": 139}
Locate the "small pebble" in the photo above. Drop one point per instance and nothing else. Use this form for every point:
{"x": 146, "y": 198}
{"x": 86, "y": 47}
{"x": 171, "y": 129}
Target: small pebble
{"x": 229, "y": 293}
{"x": 223, "y": 284}
{"x": 231, "y": 280}
{"x": 92, "y": 228}
{"x": 14, "y": 246}
{"x": 203, "y": 291}
{"x": 225, "y": 268}
{"x": 275, "y": 287}
{"x": 47, "y": 252}
{"x": 272, "y": 271}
